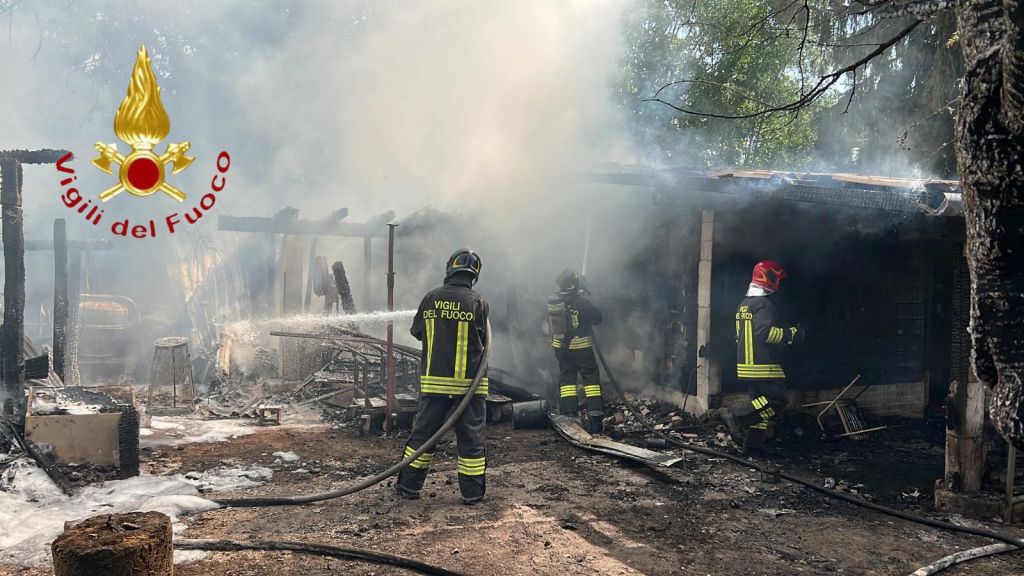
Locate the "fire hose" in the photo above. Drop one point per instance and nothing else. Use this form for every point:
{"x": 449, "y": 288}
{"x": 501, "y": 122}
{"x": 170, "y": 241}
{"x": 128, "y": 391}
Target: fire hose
{"x": 374, "y": 480}
{"x": 340, "y": 552}
{"x": 826, "y": 491}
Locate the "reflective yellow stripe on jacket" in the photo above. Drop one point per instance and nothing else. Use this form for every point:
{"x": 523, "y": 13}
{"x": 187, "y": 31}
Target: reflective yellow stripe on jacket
{"x": 461, "y": 350}
{"x": 759, "y": 371}
{"x": 429, "y": 325}
{"x": 450, "y": 386}
{"x": 577, "y": 343}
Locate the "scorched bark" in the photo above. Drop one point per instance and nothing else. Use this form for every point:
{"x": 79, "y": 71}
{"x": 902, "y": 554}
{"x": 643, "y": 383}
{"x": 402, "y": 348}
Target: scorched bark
{"x": 989, "y": 141}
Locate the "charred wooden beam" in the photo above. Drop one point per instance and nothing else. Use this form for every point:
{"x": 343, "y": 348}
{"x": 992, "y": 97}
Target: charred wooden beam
{"x": 60, "y": 295}
{"x": 348, "y": 304}
{"x": 14, "y": 286}
{"x": 309, "y": 275}
{"x": 46, "y": 156}
{"x": 13, "y": 233}
{"x": 74, "y": 325}
{"x": 676, "y": 187}
{"x": 336, "y": 216}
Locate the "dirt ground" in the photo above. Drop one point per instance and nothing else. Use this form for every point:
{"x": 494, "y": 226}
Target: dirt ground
{"x": 554, "y": 509}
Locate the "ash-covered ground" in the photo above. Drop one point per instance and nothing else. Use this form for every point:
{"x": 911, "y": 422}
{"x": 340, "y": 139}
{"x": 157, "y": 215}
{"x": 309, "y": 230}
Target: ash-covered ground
{"x": 555, "y": 509}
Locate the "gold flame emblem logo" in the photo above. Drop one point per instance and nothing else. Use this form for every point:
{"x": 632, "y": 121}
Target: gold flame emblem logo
{"x": 141, "y": 122}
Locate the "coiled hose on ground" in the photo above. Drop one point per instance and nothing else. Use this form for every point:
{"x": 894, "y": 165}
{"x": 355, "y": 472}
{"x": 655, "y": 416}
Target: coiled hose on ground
{"x": 364, "y": 484}
{"x": 826, "y": 491}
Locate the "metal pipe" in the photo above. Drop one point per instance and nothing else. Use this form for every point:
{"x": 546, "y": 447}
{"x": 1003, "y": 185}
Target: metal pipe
{"x": 389, "y": 365}
{"x": 60, "y": 295}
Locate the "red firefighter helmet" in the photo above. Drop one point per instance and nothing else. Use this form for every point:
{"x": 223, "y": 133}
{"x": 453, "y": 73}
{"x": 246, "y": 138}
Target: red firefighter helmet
{"x": 767, "y": 274}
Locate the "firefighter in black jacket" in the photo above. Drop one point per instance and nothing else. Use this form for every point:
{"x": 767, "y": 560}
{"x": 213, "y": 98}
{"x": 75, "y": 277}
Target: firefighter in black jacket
{"x": 452, "y": 324}
{"x": 761, "y": 342}
{"x": 572, "y": 317}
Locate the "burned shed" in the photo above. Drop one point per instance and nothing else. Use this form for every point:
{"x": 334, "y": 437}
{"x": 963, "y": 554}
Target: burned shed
{"x": 877, "y": 278}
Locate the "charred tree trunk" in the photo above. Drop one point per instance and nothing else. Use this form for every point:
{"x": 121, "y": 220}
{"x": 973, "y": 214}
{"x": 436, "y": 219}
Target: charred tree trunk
{"x": 135, "y": 544}
{"x": 990, "y": 143}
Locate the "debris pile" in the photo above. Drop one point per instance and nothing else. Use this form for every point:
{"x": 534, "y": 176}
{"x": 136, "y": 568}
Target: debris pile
{"x": 664, "y": 415}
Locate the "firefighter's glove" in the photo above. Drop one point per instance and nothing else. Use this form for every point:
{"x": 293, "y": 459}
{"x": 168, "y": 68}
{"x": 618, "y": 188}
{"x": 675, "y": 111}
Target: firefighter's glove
{"x": 796, "y": 334}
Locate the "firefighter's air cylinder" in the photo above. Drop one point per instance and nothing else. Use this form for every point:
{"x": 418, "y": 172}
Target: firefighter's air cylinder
{"x": 556, "y": 318}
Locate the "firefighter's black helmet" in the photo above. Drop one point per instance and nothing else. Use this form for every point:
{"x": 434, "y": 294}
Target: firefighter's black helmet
{"x": 463, "y": 260}
{"x": 568, "y": 282}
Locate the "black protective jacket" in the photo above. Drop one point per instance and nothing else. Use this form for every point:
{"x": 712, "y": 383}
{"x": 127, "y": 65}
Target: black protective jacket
{"x": 580, "y": 318}
{"x": 451, "y": 322}
{"x": 761, "y": 340}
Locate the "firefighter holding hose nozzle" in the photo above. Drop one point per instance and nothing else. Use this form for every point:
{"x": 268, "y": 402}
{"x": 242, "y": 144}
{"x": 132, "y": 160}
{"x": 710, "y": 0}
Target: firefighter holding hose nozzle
{"x": 451, "y": 322}
{"x": 572, "y": 317}
{"x": 761, "y": 342}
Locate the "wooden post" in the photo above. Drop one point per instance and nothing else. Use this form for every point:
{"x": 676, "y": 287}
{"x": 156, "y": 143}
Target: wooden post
{"x": 74, "y": 329}
{"x": 290, "y": 299}
{"x": 14, "y": 286}
{"x": 60, "y": 295}
{"x": 12, "y": 340}
{"x": 682, "y": 256}
{"x": 308, "y": 304}
{"x": 707, "y": 385}
{"x": 965, "y": 446}
{"x": 135, "y": 544}
{"x": 367, "y": 272}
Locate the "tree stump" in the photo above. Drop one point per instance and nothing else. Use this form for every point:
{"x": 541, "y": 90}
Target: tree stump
{"x": 135, "y": 544}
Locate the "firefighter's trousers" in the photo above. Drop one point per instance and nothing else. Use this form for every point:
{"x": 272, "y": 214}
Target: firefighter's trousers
{"x": 766, "y": 399}
{"x": 469, "y": 433}
{"x": 583, "y": 362}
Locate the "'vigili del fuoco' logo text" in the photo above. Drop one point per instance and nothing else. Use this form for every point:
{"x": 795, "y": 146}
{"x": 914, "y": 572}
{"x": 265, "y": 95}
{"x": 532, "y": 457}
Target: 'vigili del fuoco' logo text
{"x": 142, "y": 123}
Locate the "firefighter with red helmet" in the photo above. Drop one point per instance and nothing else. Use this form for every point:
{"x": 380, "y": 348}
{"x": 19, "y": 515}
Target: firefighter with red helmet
{"x": 762, "y": 339}
{"x": 451, "y": 322}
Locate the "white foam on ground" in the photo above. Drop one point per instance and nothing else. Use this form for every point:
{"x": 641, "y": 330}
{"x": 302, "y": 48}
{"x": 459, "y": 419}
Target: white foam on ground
{"x": 33, "y": 512}
{"x": 165, "y": 423}
{"x": 226, "y": 478}
{"x": 174, "y": 430}
{"x": 287, "y": 456}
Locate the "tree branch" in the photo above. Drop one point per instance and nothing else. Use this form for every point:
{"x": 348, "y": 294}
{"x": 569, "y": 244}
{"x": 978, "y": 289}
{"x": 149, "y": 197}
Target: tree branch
{"x": 728, "y": 87}
{"x": 806, "y": 98}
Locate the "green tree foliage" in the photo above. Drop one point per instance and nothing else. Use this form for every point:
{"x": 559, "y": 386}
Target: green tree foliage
{"x": 743, "y": 57}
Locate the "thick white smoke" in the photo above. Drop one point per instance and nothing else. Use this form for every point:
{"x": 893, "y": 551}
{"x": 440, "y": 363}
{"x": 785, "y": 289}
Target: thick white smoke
{"x": 486, "y": 109}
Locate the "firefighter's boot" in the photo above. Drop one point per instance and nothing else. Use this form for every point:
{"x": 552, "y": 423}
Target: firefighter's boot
{"x": 731, "y": 422}
{"x": 753, "y": 443}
